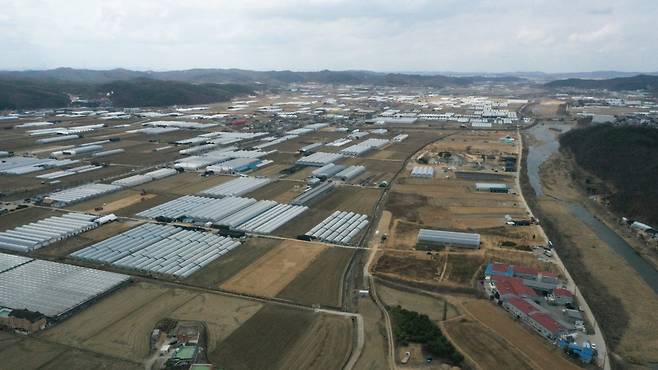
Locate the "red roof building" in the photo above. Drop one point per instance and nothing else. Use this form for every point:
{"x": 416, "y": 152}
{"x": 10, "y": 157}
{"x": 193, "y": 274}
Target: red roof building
{"x": 546, "y": 325}
{"x": 512, "y": 286}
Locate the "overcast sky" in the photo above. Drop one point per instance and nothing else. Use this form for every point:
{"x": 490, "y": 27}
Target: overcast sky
{"x": 386, "y": 35}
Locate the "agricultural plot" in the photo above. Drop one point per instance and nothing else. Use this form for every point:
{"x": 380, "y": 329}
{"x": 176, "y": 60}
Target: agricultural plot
{"x": 275, "y": 335}
{"x": 322, "y": 281}
{"x": 273, "y": 271}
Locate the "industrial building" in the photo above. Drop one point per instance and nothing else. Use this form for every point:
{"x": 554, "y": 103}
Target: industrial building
{"x": 492, "y": 188}
{"x": 442, "y": 238}
{"x": 340, "y": 227}
{"x": 39, "y": 234}
{"x": 162, "y": 249}
{"x": 51, "y": 288}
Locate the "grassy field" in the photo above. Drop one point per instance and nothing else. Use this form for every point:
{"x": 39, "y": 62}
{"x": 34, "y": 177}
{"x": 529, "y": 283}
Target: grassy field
{"x": 321, "y": 281}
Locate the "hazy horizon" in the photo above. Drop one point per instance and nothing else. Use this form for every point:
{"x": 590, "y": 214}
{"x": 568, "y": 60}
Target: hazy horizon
{"x": 387, "y": 36}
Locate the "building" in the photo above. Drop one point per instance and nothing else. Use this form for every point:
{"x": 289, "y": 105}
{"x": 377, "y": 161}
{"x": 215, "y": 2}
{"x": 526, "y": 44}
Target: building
{"x": 22, "y": 320}
{"x": 511, "y": 287}
{"x": 442, "y": 238}
{"x": 562, "y": 296}
{"x": 545, "y": 325}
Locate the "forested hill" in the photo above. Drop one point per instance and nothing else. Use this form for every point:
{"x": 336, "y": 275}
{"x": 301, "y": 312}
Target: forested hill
{"x": 242, "y": 76}
{"x": 639, "y": 82}
{"x": 145, "y": 92}
{"x": 625, "y": 156}
{"x": 35, "y": 93}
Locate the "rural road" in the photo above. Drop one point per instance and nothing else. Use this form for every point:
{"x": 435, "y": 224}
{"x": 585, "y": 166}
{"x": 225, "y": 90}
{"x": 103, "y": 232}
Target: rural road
{"x": 602, "y": 353}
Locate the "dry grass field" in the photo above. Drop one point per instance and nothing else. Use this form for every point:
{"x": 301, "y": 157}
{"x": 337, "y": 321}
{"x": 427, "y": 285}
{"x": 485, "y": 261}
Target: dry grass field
{"x": 282, "y": 191}
{"x": 222, "y": 269}
{"x": 431, "y": 306}
{"x": 539, "y": 352}
{"x": 275, "y": 336}
{"x": 28, "y": 353}
{"x": 484, "y": 347}
{"x": 222, "y": 315}
{"x": 321, "y": 282}
{"x": 274, "y": 270}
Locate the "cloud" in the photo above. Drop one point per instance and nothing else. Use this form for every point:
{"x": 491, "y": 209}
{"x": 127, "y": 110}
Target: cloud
{"x": 439, "y": 35}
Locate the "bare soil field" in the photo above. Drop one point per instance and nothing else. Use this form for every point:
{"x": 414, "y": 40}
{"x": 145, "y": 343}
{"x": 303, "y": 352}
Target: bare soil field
{"x": 27, "y": 353}
{"x": 271, "y": 336}
{"x": 184, "y": 183}
{"x": 429, "y": 305}
{"x": 222, "y": 269}
{"x": 271, "y": 170}
{"x": 101, "y": 202}
{"x": 416, "y": 266}
{"x": 129, "y": 337}
{"x": 222, "y": 315}
{"x": 25, "y": 216}
{"x": 484, "y": 347}
{"x": 132, "y": 210}
{"x": 321, "y": 282}
{"x": 376, "y": 169}
{"x": 374, "y": 355}
{"x": 123, "y": 203}
{"x": 281, "y": 191}
{"x": 274, "y": 270}
{"x": 541, "y": 353}
{"x": 462, "y": 268}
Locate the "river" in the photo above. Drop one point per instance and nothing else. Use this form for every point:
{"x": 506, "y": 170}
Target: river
{"x": 539, "y": 153}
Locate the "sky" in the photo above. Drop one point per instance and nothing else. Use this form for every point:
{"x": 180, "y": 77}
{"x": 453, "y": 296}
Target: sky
{"x": 385, "y": 35}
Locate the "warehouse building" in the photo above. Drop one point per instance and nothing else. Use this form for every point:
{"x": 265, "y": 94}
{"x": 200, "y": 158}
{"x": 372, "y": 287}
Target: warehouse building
{"x": 490, "y": 187}
{"x": 235, "y": 165}
{"x": 442, "y": 238}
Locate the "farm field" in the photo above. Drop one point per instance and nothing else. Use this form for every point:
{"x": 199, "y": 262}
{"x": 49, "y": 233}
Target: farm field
{"x": 429, "y": 305}
{"x": 488, "y": 350}
{"x": 541, "y": 354}
{"x": 321, "y": 282}
{"x": 275, "y": 335}
{"x": 27, "y": 353}
{"x": 274, "y": 270}
{"x": 222, "y": 269}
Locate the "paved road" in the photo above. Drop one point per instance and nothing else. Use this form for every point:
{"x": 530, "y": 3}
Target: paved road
{"x": 603, "y": 357}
